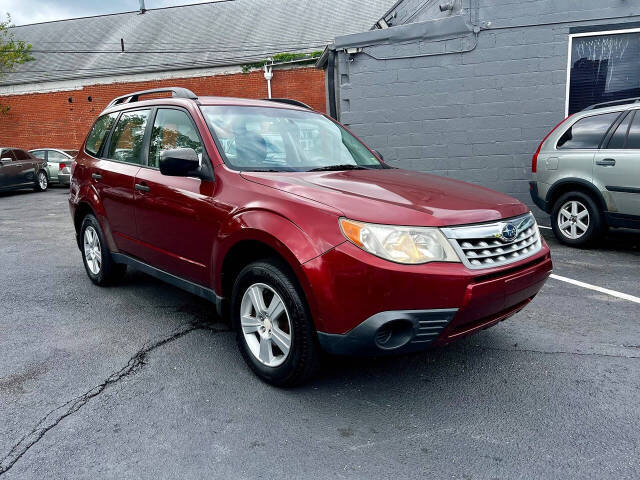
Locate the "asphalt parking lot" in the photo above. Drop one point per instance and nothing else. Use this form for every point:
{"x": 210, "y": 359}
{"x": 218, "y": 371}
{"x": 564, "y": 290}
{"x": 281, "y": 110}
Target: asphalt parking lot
{"x": 143, "y": 381}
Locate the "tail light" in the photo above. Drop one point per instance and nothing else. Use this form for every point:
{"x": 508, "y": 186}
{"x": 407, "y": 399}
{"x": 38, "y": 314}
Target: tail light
{"x": 62, "y": 165}
{"x": 534, "y": 160}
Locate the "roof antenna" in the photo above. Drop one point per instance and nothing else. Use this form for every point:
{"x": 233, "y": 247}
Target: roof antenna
{"x": 142, "y": 7}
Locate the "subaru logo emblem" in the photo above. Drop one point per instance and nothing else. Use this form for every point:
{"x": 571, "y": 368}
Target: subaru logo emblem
{"x": 509, "y": 233}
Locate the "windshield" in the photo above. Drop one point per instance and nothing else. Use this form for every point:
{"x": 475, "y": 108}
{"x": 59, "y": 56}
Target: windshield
{"x": 278, "y": 139}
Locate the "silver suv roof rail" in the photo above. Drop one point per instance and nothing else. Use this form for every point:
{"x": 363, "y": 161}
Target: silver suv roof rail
{"x": 290, "y": 101}
{"x": 176, "y": 92}
{"x": 613, "y": 103}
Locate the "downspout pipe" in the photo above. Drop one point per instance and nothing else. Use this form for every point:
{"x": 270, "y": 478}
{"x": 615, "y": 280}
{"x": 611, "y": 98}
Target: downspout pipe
{"x": 331, "y": 84}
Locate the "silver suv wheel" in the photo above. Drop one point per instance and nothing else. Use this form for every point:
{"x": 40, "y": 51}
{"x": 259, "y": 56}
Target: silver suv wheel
{"x": 573, "y": 219}
{"x": 266, "y": 329}
{"x": 92, "y": 250}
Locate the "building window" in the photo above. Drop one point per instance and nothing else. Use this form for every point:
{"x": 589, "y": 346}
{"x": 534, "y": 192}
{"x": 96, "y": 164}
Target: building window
{"x": 603, "y": 67}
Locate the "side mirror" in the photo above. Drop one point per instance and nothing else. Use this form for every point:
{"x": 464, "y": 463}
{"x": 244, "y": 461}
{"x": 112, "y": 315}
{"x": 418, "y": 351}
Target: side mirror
{"x": 379, "y": 155}
{"x": 180, "y": 162}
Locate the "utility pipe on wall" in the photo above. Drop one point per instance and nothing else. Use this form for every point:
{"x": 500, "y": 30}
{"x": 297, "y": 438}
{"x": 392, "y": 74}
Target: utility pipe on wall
{"x": 268, "y": 75}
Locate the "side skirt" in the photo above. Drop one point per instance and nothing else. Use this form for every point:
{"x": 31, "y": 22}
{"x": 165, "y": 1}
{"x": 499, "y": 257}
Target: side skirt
{"x": 171, "y": 279}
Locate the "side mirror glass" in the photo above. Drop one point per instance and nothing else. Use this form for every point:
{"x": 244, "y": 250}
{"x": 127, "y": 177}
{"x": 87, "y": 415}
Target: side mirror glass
{"x": 180, "y": 162}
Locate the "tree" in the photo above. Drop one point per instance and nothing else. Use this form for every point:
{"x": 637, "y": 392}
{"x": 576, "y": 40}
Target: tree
{"x": 12, "y": 52}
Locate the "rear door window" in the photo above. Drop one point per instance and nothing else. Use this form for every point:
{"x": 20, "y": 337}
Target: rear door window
{"x": 99, "y": 133}
{"x": 127, "y": 139}
{"x": 588, "y": 132}
{"x": 21, "y": 155}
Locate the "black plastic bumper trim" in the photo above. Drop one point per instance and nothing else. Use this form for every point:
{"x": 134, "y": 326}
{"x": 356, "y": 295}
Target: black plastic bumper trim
{"x": 533, "y": 190}
{"x": 361, "y": 340}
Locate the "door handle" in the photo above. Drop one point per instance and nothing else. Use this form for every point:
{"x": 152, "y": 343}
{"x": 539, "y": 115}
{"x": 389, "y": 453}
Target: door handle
{"x": 606, "y": 162}
{"x": 142, "y": 188}
{"x": 96, "y": 176}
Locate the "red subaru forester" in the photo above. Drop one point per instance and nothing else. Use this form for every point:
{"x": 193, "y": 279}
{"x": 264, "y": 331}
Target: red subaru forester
{"x": 298, "y": 231}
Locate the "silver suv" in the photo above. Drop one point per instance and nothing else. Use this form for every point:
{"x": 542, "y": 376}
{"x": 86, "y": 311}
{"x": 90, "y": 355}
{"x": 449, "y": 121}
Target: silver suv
{"x": 586, "y": 172}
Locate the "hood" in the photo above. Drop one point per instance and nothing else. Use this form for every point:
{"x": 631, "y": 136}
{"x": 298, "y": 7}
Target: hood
{"x": 395, "y": 196}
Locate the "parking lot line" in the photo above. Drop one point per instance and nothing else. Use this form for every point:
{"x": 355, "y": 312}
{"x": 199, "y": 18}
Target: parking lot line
{"x": 624, "y": 296}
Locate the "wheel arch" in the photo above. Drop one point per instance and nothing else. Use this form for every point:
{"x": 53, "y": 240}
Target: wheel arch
{"x": 259, "y": 235}
{"x": 575, "y": 184}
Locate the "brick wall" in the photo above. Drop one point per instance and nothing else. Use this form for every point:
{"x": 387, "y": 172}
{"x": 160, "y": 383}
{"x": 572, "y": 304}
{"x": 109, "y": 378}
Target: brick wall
{"x": 476, "y": 116}
{"x": 50, "y": 120}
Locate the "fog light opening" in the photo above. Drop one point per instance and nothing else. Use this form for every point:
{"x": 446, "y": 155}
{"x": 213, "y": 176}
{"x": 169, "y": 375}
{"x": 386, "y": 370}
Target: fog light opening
{"x": 394, "y": 334}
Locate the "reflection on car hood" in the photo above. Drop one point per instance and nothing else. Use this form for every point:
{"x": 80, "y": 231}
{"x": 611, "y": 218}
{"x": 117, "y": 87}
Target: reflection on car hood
{"x": 394, "y": 196}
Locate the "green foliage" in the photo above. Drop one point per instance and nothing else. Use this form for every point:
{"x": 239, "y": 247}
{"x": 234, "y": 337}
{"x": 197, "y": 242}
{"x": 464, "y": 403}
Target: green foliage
{"x": 12, "y": 52}
{"x": 281, "y": 58}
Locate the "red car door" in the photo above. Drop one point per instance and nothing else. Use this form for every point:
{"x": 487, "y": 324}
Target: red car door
{"x": 113, "y": 176}
{"x": 175, "y": 216}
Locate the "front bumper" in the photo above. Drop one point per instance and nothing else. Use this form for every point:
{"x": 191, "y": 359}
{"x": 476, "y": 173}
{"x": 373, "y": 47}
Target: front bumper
{"x": 368, "y": 306}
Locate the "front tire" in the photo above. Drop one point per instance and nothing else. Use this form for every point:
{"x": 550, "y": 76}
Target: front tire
{"x": 42, "y": 181}
{"x": 274, "y": 329}
{"x": 576, "y": 220}
{"x": 98, "y": 263}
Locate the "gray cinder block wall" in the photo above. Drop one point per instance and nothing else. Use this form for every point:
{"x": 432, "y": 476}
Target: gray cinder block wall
{"x": 472, "y": 105}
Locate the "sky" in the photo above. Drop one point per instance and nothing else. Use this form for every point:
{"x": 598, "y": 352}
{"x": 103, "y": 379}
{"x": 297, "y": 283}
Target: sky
{"x": 33, "y": 11}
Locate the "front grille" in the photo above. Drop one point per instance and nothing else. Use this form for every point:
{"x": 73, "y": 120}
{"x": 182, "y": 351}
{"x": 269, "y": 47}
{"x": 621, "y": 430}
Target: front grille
{"x": 486, "y": 246}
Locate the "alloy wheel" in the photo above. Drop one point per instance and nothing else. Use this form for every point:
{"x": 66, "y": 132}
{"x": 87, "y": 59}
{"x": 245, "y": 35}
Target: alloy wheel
{"x": 92, "y": 250}
{"x": 42, "y": 181}
{"x": 266, "y": 324}
{"x": 573, "y": 219}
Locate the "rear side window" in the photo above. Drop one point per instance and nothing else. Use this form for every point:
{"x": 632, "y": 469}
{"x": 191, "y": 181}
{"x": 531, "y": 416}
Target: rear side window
{"x": 127, "y": 139}
{"x": 587, "y": 132}
{"x": 98, "y": 133}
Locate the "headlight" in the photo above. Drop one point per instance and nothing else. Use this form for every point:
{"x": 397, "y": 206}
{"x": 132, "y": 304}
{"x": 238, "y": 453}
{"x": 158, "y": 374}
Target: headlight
{"x": 411, "y": 245}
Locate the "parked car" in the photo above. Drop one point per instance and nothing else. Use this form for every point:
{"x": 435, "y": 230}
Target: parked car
{"x": 58, "y": 163}
{"x": 586, "y": 172}
{"x": 326, "y": 248}
{"x": 19, "y": 169}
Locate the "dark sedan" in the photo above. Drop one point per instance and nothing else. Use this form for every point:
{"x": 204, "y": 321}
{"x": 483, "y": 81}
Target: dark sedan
{"x": 20, "y": 169}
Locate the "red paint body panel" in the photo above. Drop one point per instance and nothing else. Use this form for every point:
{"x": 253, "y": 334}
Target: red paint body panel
{"x": 186, "y": 226}
{"x": 352, "y": 285}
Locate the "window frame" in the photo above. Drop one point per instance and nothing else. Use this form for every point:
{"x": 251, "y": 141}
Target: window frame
{"x": 205, "y": 155}
{"x": 570, "y": 48}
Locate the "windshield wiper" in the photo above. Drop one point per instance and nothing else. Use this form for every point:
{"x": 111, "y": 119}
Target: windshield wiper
{"x": 346, "y": 166}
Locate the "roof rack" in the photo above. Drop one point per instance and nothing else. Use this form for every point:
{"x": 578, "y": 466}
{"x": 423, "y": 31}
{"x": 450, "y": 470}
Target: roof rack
{"x": 290, "y": 101}
{"x": 176, "y": 92}
{"x": 613, "y": 103}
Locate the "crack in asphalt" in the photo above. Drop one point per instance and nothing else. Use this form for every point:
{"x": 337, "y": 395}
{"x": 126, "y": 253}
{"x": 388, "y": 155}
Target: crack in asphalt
{"x": 55, "y": 416}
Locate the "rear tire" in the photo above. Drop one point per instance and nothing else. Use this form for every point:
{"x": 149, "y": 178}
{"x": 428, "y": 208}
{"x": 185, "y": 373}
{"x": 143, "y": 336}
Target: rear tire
{"x": 42, "y": 181}
{"x": 98, "y": 263}
{"x": 277, "y": 339}
{"x": 576, "y": 220}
